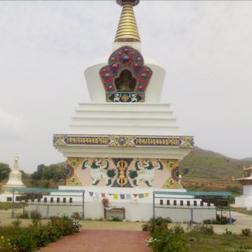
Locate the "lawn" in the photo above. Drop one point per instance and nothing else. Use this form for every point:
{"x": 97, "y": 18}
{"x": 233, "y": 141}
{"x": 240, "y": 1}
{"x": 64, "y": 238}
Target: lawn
{"x": 9, "y": 205}
{"x": 242, "y": 210}
{"x": 218, "y": 243}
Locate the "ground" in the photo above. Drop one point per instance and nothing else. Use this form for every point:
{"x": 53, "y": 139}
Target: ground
{"x": 102, "y": 236}
{"x": 101, "y": 241}
{"x": 242, "y": 221}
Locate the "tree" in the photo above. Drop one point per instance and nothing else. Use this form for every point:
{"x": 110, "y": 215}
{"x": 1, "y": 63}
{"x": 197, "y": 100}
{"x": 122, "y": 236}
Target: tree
{"x": 54, "y": 172}
{"x": 4, "y": 171}
{"x": 39, "y": 173}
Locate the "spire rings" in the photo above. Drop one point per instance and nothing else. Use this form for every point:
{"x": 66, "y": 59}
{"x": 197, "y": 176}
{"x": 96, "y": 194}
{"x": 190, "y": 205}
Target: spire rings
{"x": 133, "y": 2}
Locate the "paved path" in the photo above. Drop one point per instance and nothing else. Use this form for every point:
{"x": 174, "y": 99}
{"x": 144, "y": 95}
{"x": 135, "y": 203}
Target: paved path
{"x": 101, "y": 241}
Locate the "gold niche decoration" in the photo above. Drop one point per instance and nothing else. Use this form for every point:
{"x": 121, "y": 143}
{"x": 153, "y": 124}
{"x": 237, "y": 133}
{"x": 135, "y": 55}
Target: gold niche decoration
{"x": 73, "y": 181}
{"x": 75, "y": 162}
{"x": 172, "y": 163}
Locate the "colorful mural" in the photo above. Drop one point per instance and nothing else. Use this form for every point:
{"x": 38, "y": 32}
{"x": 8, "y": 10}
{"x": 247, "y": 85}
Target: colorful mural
{"x": 123, "y": 172}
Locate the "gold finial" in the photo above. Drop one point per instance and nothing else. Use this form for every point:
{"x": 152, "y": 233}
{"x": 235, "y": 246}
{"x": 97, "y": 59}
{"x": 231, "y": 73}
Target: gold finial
{"x": 127, "y": 29}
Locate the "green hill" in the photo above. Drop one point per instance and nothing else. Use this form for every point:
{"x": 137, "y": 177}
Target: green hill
{"x": 208, "y": 170}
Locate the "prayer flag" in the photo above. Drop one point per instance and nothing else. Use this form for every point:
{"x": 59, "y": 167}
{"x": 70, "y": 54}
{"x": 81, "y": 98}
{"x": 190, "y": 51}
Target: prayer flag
{"x": 128, "y": 196}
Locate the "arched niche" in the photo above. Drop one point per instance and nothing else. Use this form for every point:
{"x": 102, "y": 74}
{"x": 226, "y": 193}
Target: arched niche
{"x": 125, "y": 82}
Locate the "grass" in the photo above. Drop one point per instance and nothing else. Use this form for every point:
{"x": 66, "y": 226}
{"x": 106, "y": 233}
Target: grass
{"x": 242, "y": 210}
{"x": 218, "y": 243}
{"x": 211, "y": 171}
{"x": 9, "y": 205}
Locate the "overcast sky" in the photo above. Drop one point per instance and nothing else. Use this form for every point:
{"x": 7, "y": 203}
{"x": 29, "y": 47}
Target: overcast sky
{"x": 205, "y": 47}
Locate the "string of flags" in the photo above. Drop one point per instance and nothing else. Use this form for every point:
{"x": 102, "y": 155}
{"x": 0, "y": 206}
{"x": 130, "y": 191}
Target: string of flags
{"x": 118, "y": 196}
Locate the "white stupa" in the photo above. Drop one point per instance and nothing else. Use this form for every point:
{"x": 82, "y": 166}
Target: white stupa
{"x": 124, "y": 137}
{"x": 15, "y": 176}
{"x": 245, "y": 200}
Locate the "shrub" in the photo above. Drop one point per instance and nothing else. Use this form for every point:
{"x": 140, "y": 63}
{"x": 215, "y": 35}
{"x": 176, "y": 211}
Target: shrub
{"x": 168, "y": 240}
{"x": 35, "y": 214}
{"x": 65, "y": 225}
{"x": 30, "y": 238}
{"x": 203, "y": 228}
{"x": 76, "y": 216}
{"x": 114, "y": 218}
{"x": 145, "y": 227}
{"x": 241, "y": 249}
{"x": 16, "y": 223}
{"x": 159, "y": 222}
{"x": 23, "y": 242}
{"x": 228, "y": 232}
{"x": 5, "y": 244}
{"x": 24, "y": 215}
{"x": 246, "y": 232}
{"x": 178, "y": 229}
{"x": 221, "y": 220}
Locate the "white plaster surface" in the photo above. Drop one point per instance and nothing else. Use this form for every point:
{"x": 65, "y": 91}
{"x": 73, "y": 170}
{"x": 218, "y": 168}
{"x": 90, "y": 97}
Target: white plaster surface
{"x": 135, "y": 211}
{"x": 245, "y": 200}
{"x": 97, "y": 91}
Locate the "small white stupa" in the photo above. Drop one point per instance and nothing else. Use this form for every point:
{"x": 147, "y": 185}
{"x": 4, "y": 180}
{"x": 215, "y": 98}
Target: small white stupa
{"x": 15, "y": 176}
{"x": 245, "y": 200}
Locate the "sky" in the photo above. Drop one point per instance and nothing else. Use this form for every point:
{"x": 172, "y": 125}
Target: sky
{"x": 45, "y": 46}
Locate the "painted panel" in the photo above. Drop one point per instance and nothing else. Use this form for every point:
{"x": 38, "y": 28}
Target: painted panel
{"x": 123, "y": 172}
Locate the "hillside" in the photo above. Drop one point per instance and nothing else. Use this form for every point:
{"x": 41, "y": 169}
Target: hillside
{"x": 211, "y": 171}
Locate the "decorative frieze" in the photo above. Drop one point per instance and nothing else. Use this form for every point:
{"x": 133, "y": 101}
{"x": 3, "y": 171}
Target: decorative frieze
{"x": 123, "y": 141}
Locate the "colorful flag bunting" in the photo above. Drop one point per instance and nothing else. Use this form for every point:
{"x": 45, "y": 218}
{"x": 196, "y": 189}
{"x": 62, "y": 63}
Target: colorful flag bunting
{"x": 119, "y": 196}
{"x": 128, "y": 196}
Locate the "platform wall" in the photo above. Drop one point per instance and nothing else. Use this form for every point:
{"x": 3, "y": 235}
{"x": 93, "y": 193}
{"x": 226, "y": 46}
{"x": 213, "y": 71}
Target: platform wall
{"x": 133, "y": 211}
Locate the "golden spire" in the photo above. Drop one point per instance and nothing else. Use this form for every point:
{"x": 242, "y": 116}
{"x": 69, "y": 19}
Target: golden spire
{"x": 127, "y": 29}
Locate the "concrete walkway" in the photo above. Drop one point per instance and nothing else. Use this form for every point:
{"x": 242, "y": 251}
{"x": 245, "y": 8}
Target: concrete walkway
{"x": 101, "y": 241}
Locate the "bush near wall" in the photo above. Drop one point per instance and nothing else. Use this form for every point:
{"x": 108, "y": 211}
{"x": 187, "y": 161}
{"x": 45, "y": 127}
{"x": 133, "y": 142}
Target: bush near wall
{"x": 29, "y": 239}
